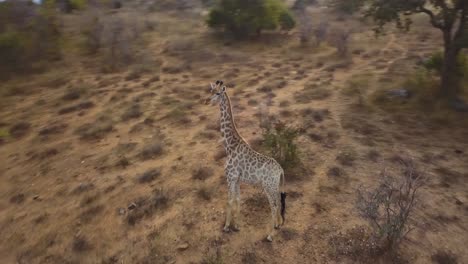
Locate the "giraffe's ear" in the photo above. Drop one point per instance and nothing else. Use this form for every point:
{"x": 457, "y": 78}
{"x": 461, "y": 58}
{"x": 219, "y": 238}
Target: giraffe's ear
{"x": 213, "y": 86}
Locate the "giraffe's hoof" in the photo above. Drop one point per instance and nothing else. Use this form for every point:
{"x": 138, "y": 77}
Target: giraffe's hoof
{"x": 235, "y": 228}
{"x": 226, "y": 229}
{"x": 269, "y": 238}
{"x": 277, "y": 227}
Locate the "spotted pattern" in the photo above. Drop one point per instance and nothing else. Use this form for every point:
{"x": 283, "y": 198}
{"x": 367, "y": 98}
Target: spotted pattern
{"x": 246, "y": 165}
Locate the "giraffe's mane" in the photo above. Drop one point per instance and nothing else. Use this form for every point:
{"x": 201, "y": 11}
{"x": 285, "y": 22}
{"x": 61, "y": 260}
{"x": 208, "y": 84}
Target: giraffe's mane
{"x": 232, "y": 119}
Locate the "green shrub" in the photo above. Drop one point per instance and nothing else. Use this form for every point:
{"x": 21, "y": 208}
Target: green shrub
{"x": 436, "y": 62}
{"x": 278, "y": 140}
{"x": 287, "y": 21}
{"x": 78, "y": 4}
{"x": 12, "y": 49}
{"x": 347, "y": 6}
{"x": 243, "y": 18}
{"x": 29, "y": 34}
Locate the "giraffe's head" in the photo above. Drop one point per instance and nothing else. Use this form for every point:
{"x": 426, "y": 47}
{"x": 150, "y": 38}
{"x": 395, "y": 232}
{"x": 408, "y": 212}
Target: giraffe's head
{"x": 216, "y": 93}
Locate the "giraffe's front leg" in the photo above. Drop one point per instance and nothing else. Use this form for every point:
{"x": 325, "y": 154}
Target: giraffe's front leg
{"x": 237, "y": 207}
{"x": 231, "y": 201}
{"x": 236, "y": 215}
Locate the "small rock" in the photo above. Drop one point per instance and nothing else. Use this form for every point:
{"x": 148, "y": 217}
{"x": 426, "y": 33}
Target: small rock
{"x": 121, "y": 211}
{"x": 132, "y": 206}
{"x": 36, "y": 197}
{"x": 458, "y": 151}
{"x": 401, "y": 93}
{"x": 459, "y": 105}
{"x": 458, "y": 202}
{"x": 183, "y": 246}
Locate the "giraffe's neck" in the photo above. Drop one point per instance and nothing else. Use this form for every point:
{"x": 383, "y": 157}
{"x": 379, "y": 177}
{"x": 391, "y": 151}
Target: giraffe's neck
{"x": 231, "y": 137}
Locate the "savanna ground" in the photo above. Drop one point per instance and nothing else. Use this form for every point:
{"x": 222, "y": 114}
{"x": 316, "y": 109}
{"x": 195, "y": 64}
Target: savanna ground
{"x": 127, "y": 167}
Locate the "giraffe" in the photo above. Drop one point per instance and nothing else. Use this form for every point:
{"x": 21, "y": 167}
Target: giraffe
{"x": 245, "y": 165}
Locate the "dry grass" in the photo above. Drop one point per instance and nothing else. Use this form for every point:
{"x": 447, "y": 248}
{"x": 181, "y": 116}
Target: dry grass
{"x": 202, "y": 173}
{"x": 147, "y": 206}
{"x": 152, "y": 150}
{"x": 134, "y": 111}
{"x": 81, "y": 244}
{"x": 95, "y": 131}
{"x": 347, "y": 157}
{"x": 80, "y": 106}
{"x": 20, "y": 129}
{"x": 179, "y": 116}
{"x": 312, "y": 92}
{"x": 54, "y": 128}
{"x": 204, "y": 192}
{"x": 91, "y": 213}
{"x": 149, "y": 175}
{"x": 444, "y": 257}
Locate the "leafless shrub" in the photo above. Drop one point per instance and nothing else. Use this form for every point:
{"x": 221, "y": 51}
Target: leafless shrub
{"x": 20, "y": 129}
{"x": 390, "y": 206}
{"x": 320, "y": 33}
{"x": 152, "y": 150}
{"x": 80, "y": 106}
{"x": 444, "y": 257}
{"x": 94, "y": 131}
{"x": 146, "y": 207}
{"x": 356, "y": 243}
{"x": 17, "y": 198}
{"x": 305, "y": 28}
{"x": 149, "y": 176}
{"x": 134, "y": 111}
{"x": 204, "y": 193}
{"x": 312, "y": 92}
{"x": 221, "y": 153}
{"x": 339, "y": 38}
{"x": 89, "y": 214}
{"x": 347, "y": 157}
{"x": 80, "y": 244}
{"x": 113, "y": 35}
{"x": 202, "y": 173}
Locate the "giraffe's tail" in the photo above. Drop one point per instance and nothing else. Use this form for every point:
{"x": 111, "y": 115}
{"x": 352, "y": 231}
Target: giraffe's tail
{"x": 283, "y": 200}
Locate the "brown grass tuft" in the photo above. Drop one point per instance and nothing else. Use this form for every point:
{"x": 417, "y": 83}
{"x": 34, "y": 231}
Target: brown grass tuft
{"x": 149, "y": 175}
{"x": 202, "y": 173}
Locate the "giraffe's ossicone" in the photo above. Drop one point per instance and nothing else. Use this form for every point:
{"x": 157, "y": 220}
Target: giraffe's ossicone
{"x": 243, "y": 164}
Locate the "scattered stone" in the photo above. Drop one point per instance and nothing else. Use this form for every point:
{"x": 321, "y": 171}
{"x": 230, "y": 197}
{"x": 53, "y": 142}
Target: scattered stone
{"x": 122, "y": 211}
{"x": 459, "y": 151}
{"x": 459, "y": 105}
{"x": 401, "y": 93}
{"x": 132, "y": 206}
{"x": 36, "y": 197}
{"x": 183, "y": 246}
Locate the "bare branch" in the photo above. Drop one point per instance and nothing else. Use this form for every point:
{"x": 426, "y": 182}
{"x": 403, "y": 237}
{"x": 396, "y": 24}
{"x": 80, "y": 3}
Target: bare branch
{"x": 432, "y": 16}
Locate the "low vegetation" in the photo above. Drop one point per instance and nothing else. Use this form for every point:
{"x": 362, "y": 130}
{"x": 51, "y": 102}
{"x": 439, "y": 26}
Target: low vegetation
{"x": 147, "y": 206}
{"x": 279, "y": 142}
{"x": 29, "y": 35}
{"x": 390, "y": 207}
{"x": 243, "y": 20}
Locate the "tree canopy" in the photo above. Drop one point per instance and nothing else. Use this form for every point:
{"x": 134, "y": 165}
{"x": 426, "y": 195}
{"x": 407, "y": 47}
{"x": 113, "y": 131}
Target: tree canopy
{"x": 449, "y": 16}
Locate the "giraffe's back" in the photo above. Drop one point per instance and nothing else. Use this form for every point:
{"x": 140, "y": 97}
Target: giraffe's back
{"x": 256, "y": 169}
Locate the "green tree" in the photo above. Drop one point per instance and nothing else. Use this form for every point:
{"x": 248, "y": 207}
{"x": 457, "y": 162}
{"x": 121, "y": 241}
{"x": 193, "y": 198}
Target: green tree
{"x": 449, "y": 16}
{"x": 247, "y": 17}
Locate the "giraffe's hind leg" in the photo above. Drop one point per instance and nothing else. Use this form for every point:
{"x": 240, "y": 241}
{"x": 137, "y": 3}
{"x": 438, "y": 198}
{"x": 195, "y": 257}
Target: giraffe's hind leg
{"x": 279, "y": 219}
{"x": 274, "y": 212}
